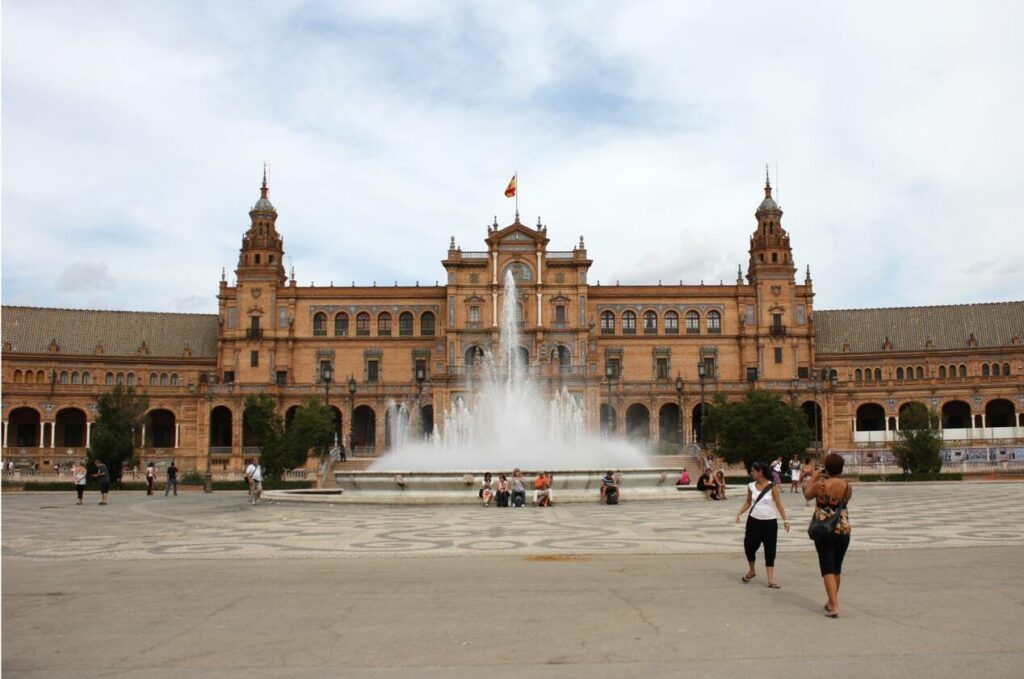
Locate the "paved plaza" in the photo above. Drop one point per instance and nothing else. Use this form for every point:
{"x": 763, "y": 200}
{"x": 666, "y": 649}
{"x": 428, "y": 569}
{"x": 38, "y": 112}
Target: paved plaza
{"x": 203, "y": 585}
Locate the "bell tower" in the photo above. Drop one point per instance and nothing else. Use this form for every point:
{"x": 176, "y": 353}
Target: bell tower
{"x": 770, "y": 253}
{"x": 262, "y": 253}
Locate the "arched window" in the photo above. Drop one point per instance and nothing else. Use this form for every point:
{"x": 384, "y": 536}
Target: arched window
{"x": 120, "y": 378}
{"x": 952, "y": 371}
{"x": 692, "y": 323}
{"x": 30, "y": 377}
{"x": 520, "y": 272}
{"x": 671, "y": 323}
{"x": 110, "y": 379}
{"x": 64, "y": 377}
{"x": 878, "y": 374}
{"x": 714, "y": 323}
{"x": 963, "y": 370}
{"x": 984, "y": 369}
{"x": 363, "y": 324}
{"x": 405, "y": 324}
{"x": 319, "y": 324}
{"x": 427, "y": 324}
{"x": 910, "y": 372}
{"x": 174, "y": 379}
{"x": 341, "y": 324}
{"x": 86, "y": 378}
{"x": 152, "y": 379}
{"x": 650, "y": 323}
{"x": 995, "y": 370}
{"x": 16, "y": 377}
{"x": 384, "y": 324}
{"x": 74, "y": 377}
{"x": 163, "y": 380}
{"x": 1006, "y": 369}
{"x": 131, "y": 379}
{"x": 607, "y": 323}
{"x": 628, "y": 322}
{"x": 899, "y": 373}
{"x": 858, "y": 375}
{"x": 942, "y": 372}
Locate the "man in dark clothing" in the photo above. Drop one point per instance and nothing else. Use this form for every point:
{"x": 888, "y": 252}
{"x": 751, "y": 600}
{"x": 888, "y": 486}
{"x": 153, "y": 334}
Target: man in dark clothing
{"x": 172, "y": 479}
{"x": 103, "y": 475}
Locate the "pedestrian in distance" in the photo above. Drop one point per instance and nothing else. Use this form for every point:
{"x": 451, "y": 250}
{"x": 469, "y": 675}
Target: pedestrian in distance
{"x": 103, "y": 476}
{"x": 150, "y": 477}
{"x": 794, "y": 474}
{"x": 172, "y": 479}
{"x": 831, "y": 494}
{"x": 254, "y": 472}
{"x": 765, "y": 504}
{"x": 80, "y": 474}
{"x": 777, "y": 471}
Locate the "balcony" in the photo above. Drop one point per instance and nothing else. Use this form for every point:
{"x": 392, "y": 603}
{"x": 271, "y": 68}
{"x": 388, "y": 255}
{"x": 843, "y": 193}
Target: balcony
{"x": 650, "y": 331}
{"x": 473, "y": 325}
{"x": 629, "y": 331}
{"x": 715, "y": 331}
{"x": 777, "y": 330}
{"x": 607, "y": 331}
{"x": 254, "y": 333}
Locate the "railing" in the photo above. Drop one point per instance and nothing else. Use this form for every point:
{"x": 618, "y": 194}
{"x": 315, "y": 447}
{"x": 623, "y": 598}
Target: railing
{"x": 693, "y": 331}
{"x": 251, "y": 450}
{"x": 559, "y": 325}
{"x": 220, "y": 450}
{"x": 475, "y": 254}
{"x": 473, "y": 325}
{"x": 629, "y": 331}
{"x": 714, "y": 331}
{"x": 671, "y": 331}
{"x": 777, "y": 330}
{"x": 650, "y": 331}
{"x": 607, "y": 331}
{"x": 257, "y": 333}
{"x": 561, "y": 254}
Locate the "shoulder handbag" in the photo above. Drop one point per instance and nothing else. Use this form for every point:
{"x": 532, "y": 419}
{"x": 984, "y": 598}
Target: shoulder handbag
{"x": 764, "y": 491}
{"x": 825, "y": 520}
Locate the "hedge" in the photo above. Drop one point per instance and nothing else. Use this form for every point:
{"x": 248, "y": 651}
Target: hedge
{"x": 944, "y": 476}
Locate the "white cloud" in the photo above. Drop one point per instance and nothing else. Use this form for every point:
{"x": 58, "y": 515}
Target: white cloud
{"x": 85, "y": 277}
{"x": 134, "y": 134}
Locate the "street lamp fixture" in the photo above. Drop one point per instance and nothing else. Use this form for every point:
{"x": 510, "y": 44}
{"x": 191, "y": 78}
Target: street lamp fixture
{"x": 351, "y": 412}
{"x": 702, "y": 373}
{"x": 679, "y": 399}
{"x": 609, "y": 372}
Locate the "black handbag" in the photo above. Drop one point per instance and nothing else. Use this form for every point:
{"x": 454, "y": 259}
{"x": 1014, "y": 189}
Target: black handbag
{"x": 823, "y": 525}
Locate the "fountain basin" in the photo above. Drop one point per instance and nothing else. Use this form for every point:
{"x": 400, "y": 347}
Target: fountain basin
{"x": 462, "y": 487}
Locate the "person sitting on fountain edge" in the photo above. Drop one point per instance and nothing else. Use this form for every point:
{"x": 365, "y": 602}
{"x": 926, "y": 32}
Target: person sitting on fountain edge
{"x": 609, "y": 489}
{"x": 542, "y": 490}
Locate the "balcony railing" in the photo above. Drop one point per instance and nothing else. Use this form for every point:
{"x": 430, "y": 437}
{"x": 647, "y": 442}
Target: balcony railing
{"x": 607, "y": 331}
{"x": 254, "y": 333}
{"x": 778, "y": 330}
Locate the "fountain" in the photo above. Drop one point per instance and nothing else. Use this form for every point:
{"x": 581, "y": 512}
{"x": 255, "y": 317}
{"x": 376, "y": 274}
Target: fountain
{"x": 503, "y": 419}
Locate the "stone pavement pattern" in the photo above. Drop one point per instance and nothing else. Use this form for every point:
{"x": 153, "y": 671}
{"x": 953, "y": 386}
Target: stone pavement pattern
{"x": 202, "y": 585}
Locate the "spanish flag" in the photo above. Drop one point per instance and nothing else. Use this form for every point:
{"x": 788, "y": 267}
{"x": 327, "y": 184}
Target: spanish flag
{"x": 510, "y": 190}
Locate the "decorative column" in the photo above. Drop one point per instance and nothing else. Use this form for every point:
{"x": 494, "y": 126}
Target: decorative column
{"x": 7, "y": 428}
{"x": 494, "y": 275}
{"x": 540, "y": 309}
{"x": 494, "y": 308}
{"x": 88, "y": 434}
{"x": 53, "y": 434}
{"x": 42, "y": 434}
{"x": 540, "y": 267}
{"x": 177, "y": 433}
{"x": 142, "y": 442}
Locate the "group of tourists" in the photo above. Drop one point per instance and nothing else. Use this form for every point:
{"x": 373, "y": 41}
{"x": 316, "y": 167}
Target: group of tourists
{"x": 829, "y": 527}
{"x": 511, "y": 492}
{"x": 80, "y": 475}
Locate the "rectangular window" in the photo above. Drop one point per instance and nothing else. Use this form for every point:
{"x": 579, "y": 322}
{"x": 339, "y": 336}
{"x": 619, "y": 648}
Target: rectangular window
{"x": 560, "y": 313}
{"x": 662, "y": 369}
{"x": 282, "y": 317}
{"x": 801, "y": 314}
{"x": 372, "y": 371}
{"x": 231, "y": 318}
{"x": 254, "y": 359}
{"x": 751, "y": 374}
{"x": 282, "y": 377}
{"x": 614, "y": 366}
{"x": 802, "y": 373}
{"x": 420, "y": 370}
{"x": 325, "y": 365}
{"x": 229, "y": 376}
{"x": 474, "y": 315}
{"x": 750, "y": 314}
{"x": 710, "y": 373}
{"x": 778, "y": 354}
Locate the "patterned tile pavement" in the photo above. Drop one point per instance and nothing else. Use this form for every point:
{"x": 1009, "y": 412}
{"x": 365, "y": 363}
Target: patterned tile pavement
{"x": 49, "y": 526}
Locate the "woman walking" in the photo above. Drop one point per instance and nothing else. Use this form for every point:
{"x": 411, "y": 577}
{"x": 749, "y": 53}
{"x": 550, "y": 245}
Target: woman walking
{"x": 765, "y": 504}
{"x": 80, "y": 473}
{"x": 831, "y": 495}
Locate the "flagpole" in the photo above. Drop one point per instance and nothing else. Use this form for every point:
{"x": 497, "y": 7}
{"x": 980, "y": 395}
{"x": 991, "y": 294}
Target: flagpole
{"x": 517, "y": 195}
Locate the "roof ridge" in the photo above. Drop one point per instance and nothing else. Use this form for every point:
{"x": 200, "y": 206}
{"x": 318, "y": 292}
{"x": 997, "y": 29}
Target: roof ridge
{"x": 924, "y": 306}
{"x": 109, "y": 311}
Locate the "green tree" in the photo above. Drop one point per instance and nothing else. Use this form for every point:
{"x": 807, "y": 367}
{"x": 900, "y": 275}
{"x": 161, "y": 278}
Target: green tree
{"x": 312, "y": 429}
{"x": 262, "y": 419}
{"x": 118, "y": 414}
{"x": 761, "y": 426}
{"x": 918, "y": 446}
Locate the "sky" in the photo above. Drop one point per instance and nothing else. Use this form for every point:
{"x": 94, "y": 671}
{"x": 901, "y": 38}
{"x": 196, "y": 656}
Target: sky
{"x": 134, "y": 136}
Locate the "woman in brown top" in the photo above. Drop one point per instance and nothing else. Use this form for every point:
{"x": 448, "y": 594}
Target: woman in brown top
{"x": 829, "y": 492}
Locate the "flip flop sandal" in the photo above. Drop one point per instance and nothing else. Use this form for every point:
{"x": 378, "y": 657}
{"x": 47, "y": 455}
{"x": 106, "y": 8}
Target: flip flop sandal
{"x": 748, "y": 578}
{"x": 773, "y": 585}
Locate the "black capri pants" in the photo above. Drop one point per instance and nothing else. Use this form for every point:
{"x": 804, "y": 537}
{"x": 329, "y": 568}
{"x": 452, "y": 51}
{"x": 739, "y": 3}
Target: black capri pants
{"x": 831, "y": 552}
{"x": 761, "y": 531}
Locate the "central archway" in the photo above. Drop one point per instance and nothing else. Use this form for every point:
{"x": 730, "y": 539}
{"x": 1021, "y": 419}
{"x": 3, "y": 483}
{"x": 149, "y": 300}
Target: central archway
{"x": 70, "y": 424}
{"x": 220, "y": 429}
{"x": 956, "y": 415}
{"x": 870, "y": 417}
{"x": 160, "y": 432}
{"x": 638, "y": 423}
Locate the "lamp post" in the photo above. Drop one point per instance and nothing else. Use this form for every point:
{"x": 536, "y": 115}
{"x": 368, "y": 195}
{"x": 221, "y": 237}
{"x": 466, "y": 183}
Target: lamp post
{"x": 326, "y": 375}
{"x": 208, "y": 478}
{"x": 679, "y": 399}
{"x": 351, "y": 413}
{"x": 609, "y": 372}
{"x": 702, "y": 373}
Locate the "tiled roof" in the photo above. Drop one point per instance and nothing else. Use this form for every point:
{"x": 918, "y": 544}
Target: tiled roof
{"x": 909, "y": 328}
{"x": 120, "y": 333}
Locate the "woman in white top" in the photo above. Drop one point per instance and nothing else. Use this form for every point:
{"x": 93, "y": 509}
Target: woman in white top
{"x": 765, "y": 504}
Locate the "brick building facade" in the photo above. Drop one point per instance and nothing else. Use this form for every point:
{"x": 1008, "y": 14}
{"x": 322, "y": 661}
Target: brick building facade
{"x": 641, "y": 357}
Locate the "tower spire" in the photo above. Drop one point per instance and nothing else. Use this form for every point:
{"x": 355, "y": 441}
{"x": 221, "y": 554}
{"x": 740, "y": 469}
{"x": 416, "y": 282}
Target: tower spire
{"x": 767, "y": 183}
{"x": 264, "y": 188}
